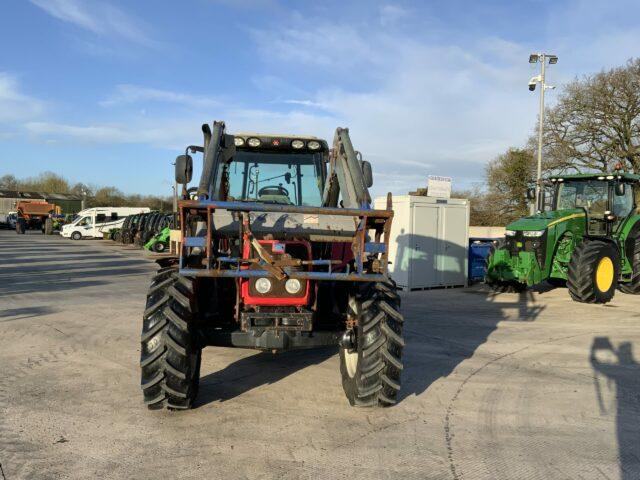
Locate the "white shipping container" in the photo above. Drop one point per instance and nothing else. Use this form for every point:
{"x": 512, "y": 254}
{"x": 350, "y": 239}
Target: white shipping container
{"x": 429, "y": 241}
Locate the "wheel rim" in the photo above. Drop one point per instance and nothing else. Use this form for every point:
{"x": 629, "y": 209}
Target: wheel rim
{"x": 351, "y": 362}
{"x": 604, "y": 274}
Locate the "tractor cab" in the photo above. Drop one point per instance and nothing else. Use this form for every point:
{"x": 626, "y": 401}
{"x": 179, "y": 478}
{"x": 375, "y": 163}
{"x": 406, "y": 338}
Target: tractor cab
{"x": 606, "y": 200}
{"x": 280, "y": 170}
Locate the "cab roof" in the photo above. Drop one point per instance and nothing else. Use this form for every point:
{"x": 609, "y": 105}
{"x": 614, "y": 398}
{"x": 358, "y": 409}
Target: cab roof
{"x": 597, "y": 176}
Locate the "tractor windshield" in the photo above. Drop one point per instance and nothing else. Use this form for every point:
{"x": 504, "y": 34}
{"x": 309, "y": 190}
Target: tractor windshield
{"x": 287, "y": 178}
{"x": 591, "y": 195}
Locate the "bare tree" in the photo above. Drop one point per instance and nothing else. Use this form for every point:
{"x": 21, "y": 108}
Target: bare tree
{"x": 596, "y": 122}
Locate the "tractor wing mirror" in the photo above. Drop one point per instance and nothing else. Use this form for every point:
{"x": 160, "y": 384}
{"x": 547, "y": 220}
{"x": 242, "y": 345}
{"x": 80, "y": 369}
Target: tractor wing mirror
{"x": 184, "y": 169}
{"x": 367, "y": 173}
{"x": 620, "y": 189}
{"x": 531, "y": 194}
{"x": 287, "y": 177}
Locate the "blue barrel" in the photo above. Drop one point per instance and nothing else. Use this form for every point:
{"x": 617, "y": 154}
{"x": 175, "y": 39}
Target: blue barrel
{"x": 479, "y": 250}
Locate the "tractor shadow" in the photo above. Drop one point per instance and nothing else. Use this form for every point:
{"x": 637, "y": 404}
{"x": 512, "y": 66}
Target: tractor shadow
{"x": 444, "y": 327}
{"x": 617, "y": 376}
{"x": 254, "y": 371}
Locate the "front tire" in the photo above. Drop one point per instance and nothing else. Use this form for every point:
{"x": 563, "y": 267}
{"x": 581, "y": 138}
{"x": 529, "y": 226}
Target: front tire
{"x": 159, "y": 247}
{"x": 76, "y": 236}
{"x": 170, "y": 355}
{"x": 594, "y": 270}
{"x": 371, "y": 370}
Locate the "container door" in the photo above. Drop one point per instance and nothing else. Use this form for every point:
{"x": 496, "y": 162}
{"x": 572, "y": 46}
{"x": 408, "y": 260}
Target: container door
{"x": 452, "y": 251}
{"x": 423, "y": 244}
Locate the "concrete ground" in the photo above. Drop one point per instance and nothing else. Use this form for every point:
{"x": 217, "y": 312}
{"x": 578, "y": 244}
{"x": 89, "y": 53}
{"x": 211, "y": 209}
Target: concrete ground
{"x": 516, "y": 386}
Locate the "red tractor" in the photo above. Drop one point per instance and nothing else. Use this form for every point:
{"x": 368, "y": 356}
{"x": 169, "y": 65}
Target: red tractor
{"x": 35, "y": 215}
{"x": 280, "y": 250}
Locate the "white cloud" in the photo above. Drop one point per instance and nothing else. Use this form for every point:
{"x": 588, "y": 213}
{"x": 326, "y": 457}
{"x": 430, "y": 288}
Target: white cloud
{"x": 420, "y": 108}
{"x": 15, "y": 105}
{"x": 99, "y": 18}
{"x": 129, "y": 94}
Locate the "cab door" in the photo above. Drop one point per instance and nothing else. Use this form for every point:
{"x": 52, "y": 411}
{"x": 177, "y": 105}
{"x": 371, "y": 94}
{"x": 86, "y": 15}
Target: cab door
{"x": 622, "y": 206}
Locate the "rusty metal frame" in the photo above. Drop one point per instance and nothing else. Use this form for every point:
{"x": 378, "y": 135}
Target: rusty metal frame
{"x": 229, "y": 267}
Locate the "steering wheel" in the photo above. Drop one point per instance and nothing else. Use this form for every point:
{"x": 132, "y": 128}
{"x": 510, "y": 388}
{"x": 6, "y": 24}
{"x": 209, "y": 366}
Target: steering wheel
{"x": 273, "y": 190}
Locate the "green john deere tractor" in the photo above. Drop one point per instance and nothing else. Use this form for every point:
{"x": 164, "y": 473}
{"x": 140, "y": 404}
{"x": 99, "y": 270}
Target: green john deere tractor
{"x": 588, "y": 238}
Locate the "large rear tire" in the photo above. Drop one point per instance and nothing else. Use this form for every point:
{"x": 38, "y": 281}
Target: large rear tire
{"x": 633, "y": 287}
{"x": 371, "y": 371}
{"x": 170, "y": 355}
{"x": 594, "y": 270}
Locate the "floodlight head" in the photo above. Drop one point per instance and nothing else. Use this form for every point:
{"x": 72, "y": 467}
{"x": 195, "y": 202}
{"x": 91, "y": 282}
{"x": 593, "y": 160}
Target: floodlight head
{"x": 553, "y": 59}
{"x": 533, "y": 58}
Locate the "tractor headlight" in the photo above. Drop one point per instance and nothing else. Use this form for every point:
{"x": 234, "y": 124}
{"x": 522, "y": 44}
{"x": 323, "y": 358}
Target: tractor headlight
{"x": 292, "y": 286}
{"x": 297, "y": 144}
{"x": 510, "y": 233}
{"x": 313, "y": 145}
{"x": 253, "y": 142}
{"x": 263, "y": 285}
{"x": 238, "y": 141}
{"x": 533, "y": 233}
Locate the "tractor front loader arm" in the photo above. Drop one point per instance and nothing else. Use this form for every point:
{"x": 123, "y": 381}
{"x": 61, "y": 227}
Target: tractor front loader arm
{"x": 345, "y": 175}
{"x": 218, "y": 148}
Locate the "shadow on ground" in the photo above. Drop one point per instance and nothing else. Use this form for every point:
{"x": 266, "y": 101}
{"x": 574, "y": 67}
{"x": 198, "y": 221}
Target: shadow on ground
{"x": 622, "y": 377}
{"x": 255, "y": 371}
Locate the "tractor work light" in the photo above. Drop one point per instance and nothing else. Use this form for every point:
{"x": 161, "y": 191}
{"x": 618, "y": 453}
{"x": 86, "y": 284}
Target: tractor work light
{"x": 510, "y": 233}
{"x": 313, "y": 145}
{"x": 297, "y": 144}
{"x": 253, "y": 142}
{"x": 533, "y": 233}
{"x": 263, "y": 285}
{"x": 238, "y": 141}
{"x": 292, "y": 286}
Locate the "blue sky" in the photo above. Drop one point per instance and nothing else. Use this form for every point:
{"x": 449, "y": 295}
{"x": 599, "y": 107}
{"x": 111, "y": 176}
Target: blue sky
{"x": 109, "y": 92}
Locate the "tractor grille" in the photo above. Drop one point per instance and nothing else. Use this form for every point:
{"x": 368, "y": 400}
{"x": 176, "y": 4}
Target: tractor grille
{"x": 520, "y": 243}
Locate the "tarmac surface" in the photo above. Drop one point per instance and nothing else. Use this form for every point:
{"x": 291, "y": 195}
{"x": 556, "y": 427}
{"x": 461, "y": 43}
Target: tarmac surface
{"x": 515, "y": 386}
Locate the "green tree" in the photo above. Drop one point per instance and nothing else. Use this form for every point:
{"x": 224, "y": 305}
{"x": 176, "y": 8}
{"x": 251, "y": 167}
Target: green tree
{"x": 45, "y": 182}
{"x": 8, "y": 182}
{"x": 508, "y": 177}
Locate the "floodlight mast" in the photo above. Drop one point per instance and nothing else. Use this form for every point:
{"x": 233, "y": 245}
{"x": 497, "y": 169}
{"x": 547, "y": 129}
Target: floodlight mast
{"x": 542, "y": 58}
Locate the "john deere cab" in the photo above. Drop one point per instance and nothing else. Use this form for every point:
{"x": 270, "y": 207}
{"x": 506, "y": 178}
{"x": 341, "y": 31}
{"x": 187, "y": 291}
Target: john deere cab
{"x": 589, "y": 237}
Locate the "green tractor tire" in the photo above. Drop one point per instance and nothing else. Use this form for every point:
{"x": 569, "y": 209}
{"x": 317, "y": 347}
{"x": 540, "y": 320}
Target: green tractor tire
{"x": 594, "y": 270}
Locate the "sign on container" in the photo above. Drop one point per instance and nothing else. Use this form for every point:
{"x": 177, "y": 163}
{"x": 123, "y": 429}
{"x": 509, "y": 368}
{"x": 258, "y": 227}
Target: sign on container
{"x": 439, "y": 187}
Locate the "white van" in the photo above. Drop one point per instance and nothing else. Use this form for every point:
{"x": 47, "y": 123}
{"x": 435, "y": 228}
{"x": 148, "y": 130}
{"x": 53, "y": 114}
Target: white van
{"x": 93, "y": 222}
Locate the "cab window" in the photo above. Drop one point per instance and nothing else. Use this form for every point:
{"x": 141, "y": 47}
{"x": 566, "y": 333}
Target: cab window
{"x": 623, "y": 204}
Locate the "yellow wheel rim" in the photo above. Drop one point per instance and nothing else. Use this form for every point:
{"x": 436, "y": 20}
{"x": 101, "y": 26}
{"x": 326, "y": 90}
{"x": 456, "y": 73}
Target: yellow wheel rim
{"x": 604, "y": 274}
